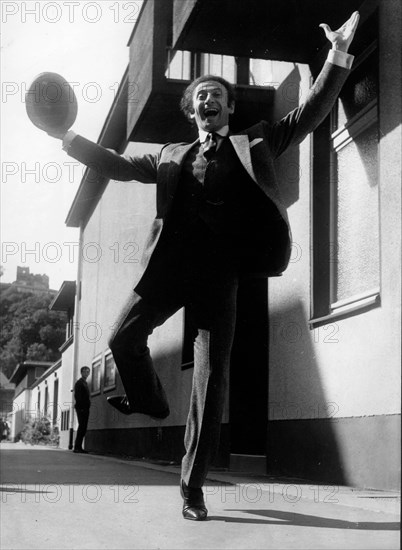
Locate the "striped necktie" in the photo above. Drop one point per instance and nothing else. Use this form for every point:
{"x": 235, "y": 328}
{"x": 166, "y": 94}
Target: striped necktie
{"x": 210, "y": 145}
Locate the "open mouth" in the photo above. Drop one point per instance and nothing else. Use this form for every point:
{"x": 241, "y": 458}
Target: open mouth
{"x": 210, "y": 112}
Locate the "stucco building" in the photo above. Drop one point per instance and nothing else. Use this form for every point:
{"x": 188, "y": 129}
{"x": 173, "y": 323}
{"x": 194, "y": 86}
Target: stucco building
{"x": 28, "y": 403}
{"x": 43, "y": 388}
{"x": 7, "y": 390}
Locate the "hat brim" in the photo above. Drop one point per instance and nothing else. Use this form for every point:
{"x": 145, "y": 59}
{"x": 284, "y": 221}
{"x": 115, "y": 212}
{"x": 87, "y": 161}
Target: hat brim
{"x": 51, "y": 103}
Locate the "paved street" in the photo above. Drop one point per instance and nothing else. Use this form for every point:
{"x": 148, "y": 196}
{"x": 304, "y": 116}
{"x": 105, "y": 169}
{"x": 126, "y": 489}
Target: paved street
{"x": 55, "y": 499}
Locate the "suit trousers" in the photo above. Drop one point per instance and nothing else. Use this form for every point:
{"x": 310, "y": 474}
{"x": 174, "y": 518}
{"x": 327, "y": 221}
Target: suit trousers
{"x": 83, "y": 416}
{"x": 198, "y": 276}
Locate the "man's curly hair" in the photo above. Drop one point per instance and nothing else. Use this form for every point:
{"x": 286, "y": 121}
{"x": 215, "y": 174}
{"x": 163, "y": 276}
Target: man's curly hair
{"x": 186, "y": 102}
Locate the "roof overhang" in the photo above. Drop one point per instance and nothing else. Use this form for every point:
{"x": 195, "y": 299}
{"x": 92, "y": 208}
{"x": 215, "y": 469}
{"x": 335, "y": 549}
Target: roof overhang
{"x": 47, "y": 373}
{"x": 64, "y": 299}
{"x": 22, "y": 368}
{"x": 283, "y": 30}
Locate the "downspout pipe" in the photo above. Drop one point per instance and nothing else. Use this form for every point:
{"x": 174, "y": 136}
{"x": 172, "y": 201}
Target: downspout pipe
{"x": 76, "y": 332}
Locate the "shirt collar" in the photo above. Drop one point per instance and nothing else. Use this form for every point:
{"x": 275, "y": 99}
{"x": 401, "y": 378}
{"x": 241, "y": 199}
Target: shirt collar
{"x": 223, "y": 132}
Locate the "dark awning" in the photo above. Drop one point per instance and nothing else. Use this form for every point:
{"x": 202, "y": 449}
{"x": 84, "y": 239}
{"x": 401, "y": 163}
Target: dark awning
{"x": 64, "y": 299}
{"x": 284, "y": 30}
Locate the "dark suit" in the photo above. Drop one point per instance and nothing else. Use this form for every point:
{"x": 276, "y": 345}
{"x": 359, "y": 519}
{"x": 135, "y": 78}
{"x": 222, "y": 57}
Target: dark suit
{"x": 191, "y": 260}
{"x": 82, "y": 406}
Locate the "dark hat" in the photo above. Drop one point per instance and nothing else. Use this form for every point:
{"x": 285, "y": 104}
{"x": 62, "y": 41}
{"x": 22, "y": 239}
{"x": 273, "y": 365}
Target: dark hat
{"x": 51, "y": 103}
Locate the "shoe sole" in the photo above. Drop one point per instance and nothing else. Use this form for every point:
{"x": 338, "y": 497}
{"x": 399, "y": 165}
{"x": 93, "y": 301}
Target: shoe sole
{"x": 155, "y": 415}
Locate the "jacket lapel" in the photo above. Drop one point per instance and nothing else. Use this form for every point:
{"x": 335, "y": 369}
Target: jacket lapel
{"x": 242, "y": 147}
{"x": 240, "y": 143}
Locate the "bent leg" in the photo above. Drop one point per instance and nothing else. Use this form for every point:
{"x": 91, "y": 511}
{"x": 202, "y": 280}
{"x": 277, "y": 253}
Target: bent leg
{"x": 129, "y": 346}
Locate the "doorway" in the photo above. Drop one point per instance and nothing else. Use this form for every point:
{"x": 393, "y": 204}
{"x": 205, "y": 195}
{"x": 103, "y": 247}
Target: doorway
{"x": 248, "y": 390}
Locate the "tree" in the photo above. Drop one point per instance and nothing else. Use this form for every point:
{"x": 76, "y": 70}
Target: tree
{"x": 29, "y": 331}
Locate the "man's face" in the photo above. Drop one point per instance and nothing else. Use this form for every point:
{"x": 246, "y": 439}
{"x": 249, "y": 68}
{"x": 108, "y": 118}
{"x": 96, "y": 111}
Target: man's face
{"x": 85, "y": 373}
{"x": 211, "y": 109}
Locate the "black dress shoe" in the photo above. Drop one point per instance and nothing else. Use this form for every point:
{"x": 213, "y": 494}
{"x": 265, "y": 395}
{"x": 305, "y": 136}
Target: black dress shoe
{"x": 193, "y": 503}
{"x": 122, "y": 404}
{"x": 80, "y": 451}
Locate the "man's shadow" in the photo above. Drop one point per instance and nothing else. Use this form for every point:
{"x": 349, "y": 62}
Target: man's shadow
{"x": 303, "y": 520}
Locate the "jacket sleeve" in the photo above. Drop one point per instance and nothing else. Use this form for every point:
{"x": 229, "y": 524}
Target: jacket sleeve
{"x": 296, "y": 125}
{"x": 111, "y": 165}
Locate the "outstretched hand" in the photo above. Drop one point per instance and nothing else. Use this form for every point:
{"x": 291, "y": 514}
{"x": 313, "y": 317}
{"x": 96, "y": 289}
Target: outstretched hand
{"x": 342, "y": 37}
{"x": 57, "y": 133}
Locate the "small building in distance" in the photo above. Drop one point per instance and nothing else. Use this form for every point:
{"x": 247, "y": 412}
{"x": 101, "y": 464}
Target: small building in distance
{"x": 7, "y": 390}
{"x": 44, "y": 389}
{"x": 25, "y": 403}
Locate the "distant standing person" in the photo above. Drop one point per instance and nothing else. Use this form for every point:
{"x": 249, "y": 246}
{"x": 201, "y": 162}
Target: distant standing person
{"x": 82, "y": 406}
{"x": 3, "y": 428}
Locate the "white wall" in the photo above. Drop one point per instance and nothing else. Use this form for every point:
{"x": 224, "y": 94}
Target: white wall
{"x": 350, "y": 367}
{"x": 21, "y": 404}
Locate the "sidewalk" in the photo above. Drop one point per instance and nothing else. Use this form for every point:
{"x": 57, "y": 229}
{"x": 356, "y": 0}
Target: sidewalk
{"x": 53, "y": 498}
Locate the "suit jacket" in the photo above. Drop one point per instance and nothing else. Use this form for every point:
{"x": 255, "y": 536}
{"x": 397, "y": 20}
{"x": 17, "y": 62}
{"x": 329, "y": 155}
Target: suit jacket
{"x": 81, "y": 394}
{"x": 257, "y": 148}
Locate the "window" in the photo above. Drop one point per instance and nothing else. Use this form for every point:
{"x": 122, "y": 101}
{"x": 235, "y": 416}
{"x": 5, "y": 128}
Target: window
{"x": 183, "y": 65}
{"x": 65, "y": 419}
{"x": 96, "y": 375}
{"x": 345, "y": 232}
{"x": 110, "y": 372}
{"x": 178, "y": 65}
{"x": 218, "y": 65}
{"x": 70, "y": 324}
{"x": 46, "y": 401}
{"x": 55, "y": 400}
{"x": 354, "y": 223}
{"x": 261, "y": 72}
{"x": 103, "y": 373}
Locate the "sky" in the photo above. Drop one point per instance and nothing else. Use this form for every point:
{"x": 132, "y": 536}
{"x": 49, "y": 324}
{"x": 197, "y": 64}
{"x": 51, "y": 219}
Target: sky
{"x": 86, "y": 43}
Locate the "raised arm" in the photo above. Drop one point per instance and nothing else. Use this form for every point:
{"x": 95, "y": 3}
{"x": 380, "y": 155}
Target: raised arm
{"x": 294, "y": 127}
